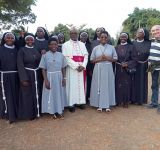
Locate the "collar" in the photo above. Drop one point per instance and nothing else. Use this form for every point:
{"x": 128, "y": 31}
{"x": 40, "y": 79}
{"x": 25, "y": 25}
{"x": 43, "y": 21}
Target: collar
{"x": 140, "y": 41}
{"x": 29, "y": 46}
{"x": 73, "y": 41}
{"x": 11, "y": 47}
{"x": 124, "y": 43}
{"x": 40, "y": 39}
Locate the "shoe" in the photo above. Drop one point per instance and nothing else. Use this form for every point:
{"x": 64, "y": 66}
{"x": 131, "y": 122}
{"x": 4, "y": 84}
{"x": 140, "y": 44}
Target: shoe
{"x": 72, "y": 109}
{"x": 81, "y": 106}
{"x": 108, "y": 110}
{"x": 151, "y": 106}
{"x": 99, "y": 109}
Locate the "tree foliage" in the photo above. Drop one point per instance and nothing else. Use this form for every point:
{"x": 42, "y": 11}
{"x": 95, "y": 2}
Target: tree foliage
{"x": 65, "y": 30}
{"x": 16, "y": 13}
{"x": 141, "y": 18}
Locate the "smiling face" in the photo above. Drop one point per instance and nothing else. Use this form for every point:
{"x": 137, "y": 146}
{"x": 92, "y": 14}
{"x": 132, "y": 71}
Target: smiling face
{"x": 29, "y": 41}
{"x": 155, "y": 31}
{"x": 53, "y": 45}
{"x": 103, "y": 38}
{"x": 123, "y": 38}
{"x": 9, "y": 39}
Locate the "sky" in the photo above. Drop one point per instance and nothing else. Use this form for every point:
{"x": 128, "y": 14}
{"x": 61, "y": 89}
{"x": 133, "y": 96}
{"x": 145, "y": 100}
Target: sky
{"x": 95, "y": 13}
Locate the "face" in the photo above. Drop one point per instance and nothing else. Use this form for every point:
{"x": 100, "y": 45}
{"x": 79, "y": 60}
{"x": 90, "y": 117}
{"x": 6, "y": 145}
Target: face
{"x": 140, "y": 34}
{"x": 156, "y": 32}
{"x": 74, "y": 35}
{"x": 61, "y": 38}
{"x": 53, "y": 45}
{"x": 123, "y": 38}
{"x": 83, "y": 37}
{"x": 40, "y": 33}
{"x": 30, "y": 41}
{"x": 103, "y": 38}
{"x": 9, "y": 39}
{"x": 98, "y": 32}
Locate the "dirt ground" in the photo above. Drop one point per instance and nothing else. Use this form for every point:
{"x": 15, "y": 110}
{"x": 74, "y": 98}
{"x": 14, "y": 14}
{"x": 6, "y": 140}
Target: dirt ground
{"x": 135, "y": 128}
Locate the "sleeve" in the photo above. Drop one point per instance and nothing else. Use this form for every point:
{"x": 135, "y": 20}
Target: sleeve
{"x": 93, "y": 55}
{"x": 64, "y": 64}
{"x": 85, "y": 56}
{"x": 114, "y": 54}
{"x": 43, "y": 63}
{"x": 20, "y": 65}
{"x": 74, "y": 65}
{"x": 133, "y": 58}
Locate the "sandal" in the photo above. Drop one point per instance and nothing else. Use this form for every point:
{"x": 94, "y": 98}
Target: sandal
{"x": 108, "y": 110}
{"x": 99, "y": 109}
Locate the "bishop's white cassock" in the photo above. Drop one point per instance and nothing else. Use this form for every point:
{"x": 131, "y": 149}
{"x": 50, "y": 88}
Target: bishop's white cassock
{"x": 76, "y": 54}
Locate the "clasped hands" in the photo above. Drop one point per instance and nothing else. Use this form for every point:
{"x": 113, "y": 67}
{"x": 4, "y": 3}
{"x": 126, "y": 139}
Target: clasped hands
{"x": 103, "y": 58}
{"x": 80, "y": 68}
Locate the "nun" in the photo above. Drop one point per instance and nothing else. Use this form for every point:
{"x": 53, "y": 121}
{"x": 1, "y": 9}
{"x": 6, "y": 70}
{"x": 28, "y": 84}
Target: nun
{"x": 28, "y": 62}
{"x": 84, "y": 37}
{"x": 9, "y": 89}
{"x": 41, "y": 41}
{"x": 126, "y": 62}
{"x": 102, "y": 93}
{"x": 96, "y": 39}
{"x": 142, "y": 45}
{"x": 61, "y": 39}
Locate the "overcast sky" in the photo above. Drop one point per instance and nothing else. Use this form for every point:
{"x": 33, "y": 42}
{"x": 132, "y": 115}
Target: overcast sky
{"x": 94, "y": 13}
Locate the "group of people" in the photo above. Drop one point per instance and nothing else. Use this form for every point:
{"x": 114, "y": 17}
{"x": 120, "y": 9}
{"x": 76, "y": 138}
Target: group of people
{"x": 44, "y": 74}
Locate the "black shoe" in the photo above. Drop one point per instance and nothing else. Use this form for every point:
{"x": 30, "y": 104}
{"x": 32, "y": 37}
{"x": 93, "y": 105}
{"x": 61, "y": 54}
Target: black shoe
{"x": 81, "y": 106}
{"x": 72, "y": 109}
{"x": 151, "y": 106}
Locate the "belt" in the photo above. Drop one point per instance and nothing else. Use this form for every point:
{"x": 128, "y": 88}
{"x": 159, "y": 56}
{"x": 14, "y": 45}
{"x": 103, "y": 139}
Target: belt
{"x": 3, "y": 91}
{"x": 54, "y": 72}
{"x": 36, "y": 83}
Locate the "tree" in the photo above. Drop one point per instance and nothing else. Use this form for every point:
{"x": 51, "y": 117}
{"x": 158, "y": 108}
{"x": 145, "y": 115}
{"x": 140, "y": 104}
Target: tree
{"x": 65, "y": 30}
{"x": 141, "y": 18}
{"x": 16, "y": 13}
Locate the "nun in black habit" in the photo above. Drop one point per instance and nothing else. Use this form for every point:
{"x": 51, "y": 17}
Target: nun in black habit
{"x": 84, "y": 37}
{"x": 126, "y": 61}
{"x": 9, "y": 88}
{"x": 41, "y": 41}
{"x": 96, "y": 39}
{"x": 28, "y": 63}
{"x": 61, "y": 39}
{"x": 142, "y": 45}
{"x": 41, "y": 44}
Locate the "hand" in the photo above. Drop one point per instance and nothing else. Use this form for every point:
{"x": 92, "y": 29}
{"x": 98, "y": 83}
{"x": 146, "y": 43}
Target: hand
{"x": 47, "y": 84}
{"x": 80, "y": 68}
{"x": 64, "y": 82}
{"x": 124, "y": 65}
{"x": 43, "y": 52}
{"x": 108, "y": 58}
{"x": 98, "y": 59}
{"x": 25, "y": 83}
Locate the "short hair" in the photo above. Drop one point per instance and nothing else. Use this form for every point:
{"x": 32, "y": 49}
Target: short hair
{"x": 52, "y": 39}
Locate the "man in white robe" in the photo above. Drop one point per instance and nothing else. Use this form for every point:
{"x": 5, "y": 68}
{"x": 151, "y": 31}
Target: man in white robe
{"x": 77, "y": 57}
